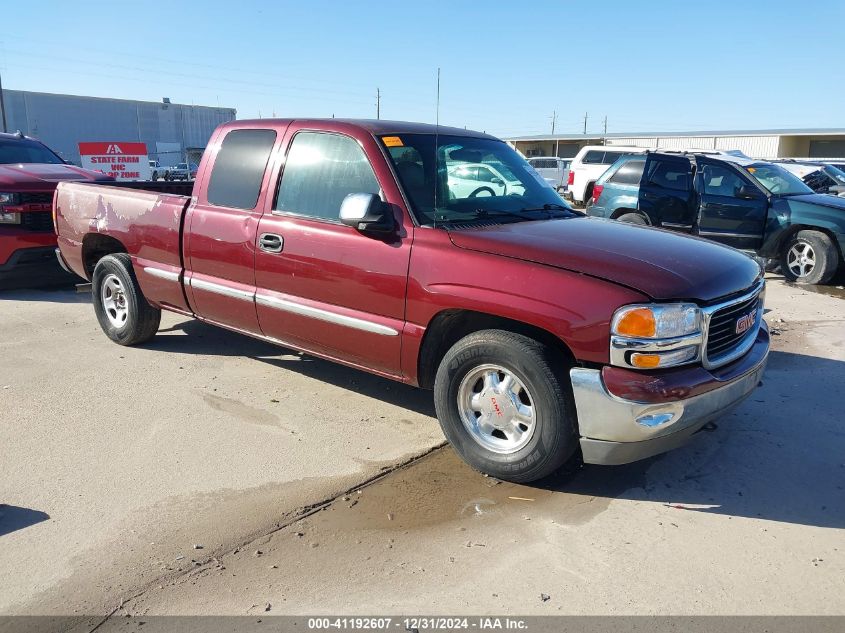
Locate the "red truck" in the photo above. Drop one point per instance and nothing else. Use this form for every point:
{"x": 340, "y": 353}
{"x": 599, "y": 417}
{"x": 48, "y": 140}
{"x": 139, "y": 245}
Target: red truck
{"x": 439, "y": 258}
{"x": 29, "y": 172}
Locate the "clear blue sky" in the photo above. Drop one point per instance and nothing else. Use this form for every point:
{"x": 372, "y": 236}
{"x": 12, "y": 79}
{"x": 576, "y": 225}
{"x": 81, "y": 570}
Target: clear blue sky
{"x": 648, "y": 65}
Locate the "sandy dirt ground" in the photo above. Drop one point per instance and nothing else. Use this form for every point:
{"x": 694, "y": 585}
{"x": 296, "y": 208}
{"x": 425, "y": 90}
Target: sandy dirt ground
{"x": 118, "y": 462}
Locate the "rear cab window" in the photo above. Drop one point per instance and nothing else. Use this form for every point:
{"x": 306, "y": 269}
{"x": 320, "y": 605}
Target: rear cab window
{"x": 239, "y": 168}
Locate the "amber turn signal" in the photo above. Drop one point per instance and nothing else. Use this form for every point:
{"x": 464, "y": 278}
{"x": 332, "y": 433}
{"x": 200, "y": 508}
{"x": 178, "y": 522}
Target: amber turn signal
{"x": 645, "y": 361}
{"x": 638, "y": 322}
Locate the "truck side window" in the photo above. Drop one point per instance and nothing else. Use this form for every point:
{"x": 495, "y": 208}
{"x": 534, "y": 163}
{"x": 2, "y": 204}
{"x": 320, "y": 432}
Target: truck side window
{"x": 239, "y": 168}
{"x": 720, "y": 181}
{"x": 593, "y": 157}
{"x": 320, "y": 171}
{"x": 629, "y": 173}
{"x": 667, "y": 175}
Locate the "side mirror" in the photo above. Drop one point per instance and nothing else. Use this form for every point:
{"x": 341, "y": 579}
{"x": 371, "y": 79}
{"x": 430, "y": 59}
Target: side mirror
{"x": 497, "y": 181}
{"x": 366, "y": 213}
{"x": 748, "y": 192}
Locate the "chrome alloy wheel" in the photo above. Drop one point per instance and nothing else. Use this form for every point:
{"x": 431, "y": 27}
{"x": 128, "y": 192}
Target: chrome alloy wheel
{"x": 496, "y": 409}
{"x": 801, "y": 259}
{"x": 114, "y": 301}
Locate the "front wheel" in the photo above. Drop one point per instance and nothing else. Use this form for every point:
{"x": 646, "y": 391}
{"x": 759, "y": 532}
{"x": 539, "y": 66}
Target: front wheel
{"x": 124, "y": 314}
{"x": 809, "y": 257}
{"x": 505, "y": 404}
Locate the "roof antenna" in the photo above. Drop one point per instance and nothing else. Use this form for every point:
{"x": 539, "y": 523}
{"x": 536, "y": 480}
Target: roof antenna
{"x": 436, "y": 150}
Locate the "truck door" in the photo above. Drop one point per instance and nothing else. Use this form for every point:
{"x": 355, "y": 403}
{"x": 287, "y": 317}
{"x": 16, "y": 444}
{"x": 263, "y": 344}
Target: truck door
{"x": 732, "y": 209}
{"x": 666, "y": 192}
{"x": 219, "y": 241}
{"x": 323, "y": 286}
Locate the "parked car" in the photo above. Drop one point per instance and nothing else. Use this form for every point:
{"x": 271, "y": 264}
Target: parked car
{"x": 751, "y": 205}
{"x": 554, "y": 170}
{"x": 588, "y": 165}
{"x": 543, "y": 333}
{"x": 469, "y": 180}
{"x": 182, "y": 172}
{"x": 158, "y": 171}
{"x": 820, "y": 177}
{"x": 29, "y": 171}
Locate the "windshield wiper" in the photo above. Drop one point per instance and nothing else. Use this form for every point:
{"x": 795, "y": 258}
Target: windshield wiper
{"x": 550, "y": 206}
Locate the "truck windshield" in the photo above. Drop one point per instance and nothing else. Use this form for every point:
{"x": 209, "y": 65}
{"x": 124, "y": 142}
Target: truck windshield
{"x": 777, "y": 180}
{"x": 466, "y": 178}
{"x": 24, "y": 151}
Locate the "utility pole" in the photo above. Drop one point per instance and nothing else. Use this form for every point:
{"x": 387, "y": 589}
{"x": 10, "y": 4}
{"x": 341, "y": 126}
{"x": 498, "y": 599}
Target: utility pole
{"x": 554, "y": 120}
{"x": 2, "y": 105}
{"x": 605, "y": 125}
{"x": 378, "y": 103}
{"x": 585, "y": 121}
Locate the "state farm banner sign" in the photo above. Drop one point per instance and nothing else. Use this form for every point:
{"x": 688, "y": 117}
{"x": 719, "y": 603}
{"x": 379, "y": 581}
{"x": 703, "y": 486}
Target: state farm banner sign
{"x": 123, "y": 161}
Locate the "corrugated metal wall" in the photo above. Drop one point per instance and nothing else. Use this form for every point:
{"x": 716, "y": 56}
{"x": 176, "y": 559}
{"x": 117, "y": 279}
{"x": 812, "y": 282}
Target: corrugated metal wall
{"x": 754, "y": 146}
{"x": 62, "y": 121}
{"x": 633, "y": 142}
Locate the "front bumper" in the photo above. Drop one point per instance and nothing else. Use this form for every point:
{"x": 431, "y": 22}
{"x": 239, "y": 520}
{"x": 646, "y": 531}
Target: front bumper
{"x": 616, "y": 430}
{"x": 33, "y": 267}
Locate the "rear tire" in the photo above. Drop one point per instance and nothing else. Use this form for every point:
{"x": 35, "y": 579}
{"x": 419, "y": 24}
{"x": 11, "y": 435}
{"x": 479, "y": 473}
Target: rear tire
{"x": 505, "y": 404}
{"x": 632, "y": 218}
{"x": 809, "y": 257}
{"x": 124, "y": 314}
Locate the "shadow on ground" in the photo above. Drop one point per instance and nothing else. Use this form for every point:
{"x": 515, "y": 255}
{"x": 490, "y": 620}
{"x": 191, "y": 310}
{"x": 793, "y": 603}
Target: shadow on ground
{"x": 202, "y": 338}
{"x": 780, "y": 456}
{"x": 62, "y": 293}
{"x": 13, "y": 518}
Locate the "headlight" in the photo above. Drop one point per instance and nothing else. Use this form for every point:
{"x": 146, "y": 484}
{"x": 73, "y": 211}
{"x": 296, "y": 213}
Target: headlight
{"x": 651, "y": 336}
{"x": 8, "y": 198}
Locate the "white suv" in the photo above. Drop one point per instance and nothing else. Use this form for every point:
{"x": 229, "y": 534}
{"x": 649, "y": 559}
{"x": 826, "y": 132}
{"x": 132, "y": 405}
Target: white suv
{"x": 590, "y": 163}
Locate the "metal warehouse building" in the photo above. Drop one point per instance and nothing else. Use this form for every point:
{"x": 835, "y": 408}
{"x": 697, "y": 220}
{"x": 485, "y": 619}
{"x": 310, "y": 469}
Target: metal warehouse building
{"x": 171, "y": 131}
{"x": 817, "y": 143}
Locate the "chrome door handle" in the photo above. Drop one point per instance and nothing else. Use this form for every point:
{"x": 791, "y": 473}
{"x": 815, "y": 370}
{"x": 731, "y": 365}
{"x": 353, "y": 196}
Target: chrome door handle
{"x": 271, "y": 243}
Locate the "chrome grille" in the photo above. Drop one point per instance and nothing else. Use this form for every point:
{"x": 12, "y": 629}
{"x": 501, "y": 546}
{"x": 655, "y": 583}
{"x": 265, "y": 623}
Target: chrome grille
{"x": 724, "y": 344}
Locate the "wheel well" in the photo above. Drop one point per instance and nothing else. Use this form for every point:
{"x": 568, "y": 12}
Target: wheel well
{"x": 789, "y": 233}
{"x": 95, "y": 247}
{"x": 588, "y": 190}
{"x": 449, "y": 326}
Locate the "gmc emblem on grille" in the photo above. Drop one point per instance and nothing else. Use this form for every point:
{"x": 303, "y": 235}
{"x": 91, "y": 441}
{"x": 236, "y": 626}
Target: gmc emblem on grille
{"x": 745, "y": 322}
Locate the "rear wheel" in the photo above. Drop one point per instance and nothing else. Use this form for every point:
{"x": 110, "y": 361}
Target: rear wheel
{"x": 632, "y": 218}
{"x": 809, "y": 257}
{"x": 503, "y": 407}
{"x": 124, "y": 314}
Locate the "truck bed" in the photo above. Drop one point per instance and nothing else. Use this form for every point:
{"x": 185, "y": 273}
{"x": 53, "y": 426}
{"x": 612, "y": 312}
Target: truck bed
{"x": 146, "y": 221}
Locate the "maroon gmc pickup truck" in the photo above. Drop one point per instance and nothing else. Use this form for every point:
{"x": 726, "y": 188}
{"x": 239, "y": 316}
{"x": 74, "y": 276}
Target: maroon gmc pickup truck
{"x": 439, "y": 258}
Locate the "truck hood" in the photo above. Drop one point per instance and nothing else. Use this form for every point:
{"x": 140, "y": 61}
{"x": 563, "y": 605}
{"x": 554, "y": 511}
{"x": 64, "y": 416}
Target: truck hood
{"x": 30, "y": 174}
{"x": 820, "y": 199}
{"x": 657, "y": 263}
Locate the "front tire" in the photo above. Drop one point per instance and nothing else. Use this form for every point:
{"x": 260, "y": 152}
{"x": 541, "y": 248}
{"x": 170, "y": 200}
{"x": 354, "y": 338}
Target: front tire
{"x": 809, "y": 257}
{"x": 505, "y": 404}
{"x": 124, "y": 314}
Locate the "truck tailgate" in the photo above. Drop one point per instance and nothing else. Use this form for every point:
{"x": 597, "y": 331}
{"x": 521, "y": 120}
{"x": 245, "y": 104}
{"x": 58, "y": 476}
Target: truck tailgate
{"x": 147, "y": 224}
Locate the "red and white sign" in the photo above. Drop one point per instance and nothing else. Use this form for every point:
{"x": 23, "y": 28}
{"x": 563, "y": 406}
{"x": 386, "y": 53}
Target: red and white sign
{"x": 123, "y": 161}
